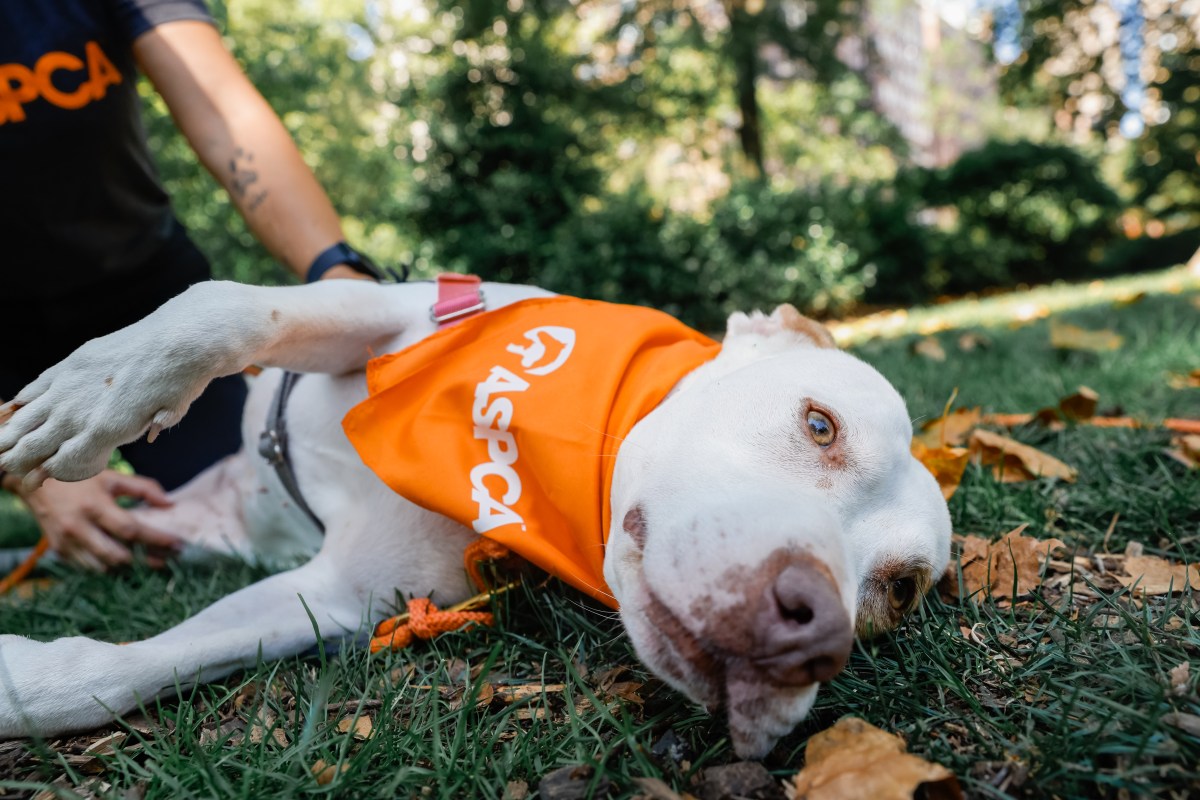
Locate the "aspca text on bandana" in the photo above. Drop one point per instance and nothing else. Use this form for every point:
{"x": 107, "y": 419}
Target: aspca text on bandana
{"x": 549, "y": 348}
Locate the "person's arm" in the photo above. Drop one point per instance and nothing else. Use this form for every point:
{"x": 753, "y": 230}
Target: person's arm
{"x": 239, "y": 138}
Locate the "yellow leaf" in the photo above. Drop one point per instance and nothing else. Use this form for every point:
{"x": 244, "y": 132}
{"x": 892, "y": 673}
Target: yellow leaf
{"x": 950, "y": 429}
{"x": 1072, "y": 337}
{"x": 1189, "y": 381}
{"x": 363, "y": 728}
{"x": 1013, "y": 462}
{"x": 945, "y": 463}
{"x": 854, "y": 759}
{"x": 325, "y": 772}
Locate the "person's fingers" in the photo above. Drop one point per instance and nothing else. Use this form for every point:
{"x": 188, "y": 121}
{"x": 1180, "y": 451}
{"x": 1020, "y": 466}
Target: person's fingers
{"x": 83, "y": 559}
{"x": 145, "y": 489}
{"x": 91, "y": 538}
{"x": 120, "y": 523}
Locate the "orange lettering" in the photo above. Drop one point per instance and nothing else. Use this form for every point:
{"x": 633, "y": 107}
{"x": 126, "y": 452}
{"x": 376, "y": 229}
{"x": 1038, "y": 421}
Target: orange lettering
{"x": 20, "y": 85}
{"x": 47, "y": 66}
{"x": 50, "y": 63}
{"x": 16, "y": 87}
{"x": 103, "y": 73}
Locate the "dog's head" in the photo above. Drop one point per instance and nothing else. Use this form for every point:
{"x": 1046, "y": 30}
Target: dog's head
{"x": 763, "y": 513}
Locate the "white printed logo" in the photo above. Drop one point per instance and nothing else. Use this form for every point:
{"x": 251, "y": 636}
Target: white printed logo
{"x": 549, "y": 348}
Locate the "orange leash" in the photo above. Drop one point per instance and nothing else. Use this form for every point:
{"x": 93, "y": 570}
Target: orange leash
{"x": 424, "y": 620}
{"x": 25, "y": 567}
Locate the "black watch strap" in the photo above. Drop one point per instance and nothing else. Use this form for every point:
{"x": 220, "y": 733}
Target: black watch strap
{"x": 342, "y": 253}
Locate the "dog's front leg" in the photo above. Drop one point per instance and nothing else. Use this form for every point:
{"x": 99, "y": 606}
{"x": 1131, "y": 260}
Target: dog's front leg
{"x": 113, "y": 389}
{"x": 47, "y": 688}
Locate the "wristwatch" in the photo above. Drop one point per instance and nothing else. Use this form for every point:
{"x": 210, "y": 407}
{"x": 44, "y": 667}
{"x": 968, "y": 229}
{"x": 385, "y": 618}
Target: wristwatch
{"x": 342, "y": 253}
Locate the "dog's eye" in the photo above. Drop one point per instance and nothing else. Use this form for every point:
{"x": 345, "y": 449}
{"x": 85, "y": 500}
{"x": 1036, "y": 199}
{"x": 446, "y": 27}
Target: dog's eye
{"x": 901, "y": 593}
{"x": 820, "y": 426}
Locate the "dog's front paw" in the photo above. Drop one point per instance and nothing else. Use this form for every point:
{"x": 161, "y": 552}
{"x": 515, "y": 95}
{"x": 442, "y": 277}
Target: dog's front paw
{"x": 107, "y": 393}
{"x": 48, "y": 688}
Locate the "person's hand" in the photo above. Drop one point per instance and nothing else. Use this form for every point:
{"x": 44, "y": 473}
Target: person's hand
{"x": 85, "y": 526}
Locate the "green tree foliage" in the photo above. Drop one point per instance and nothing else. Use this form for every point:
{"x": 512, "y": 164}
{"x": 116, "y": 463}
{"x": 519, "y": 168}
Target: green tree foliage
{"x": 602, "y": 149}
{"x": 508, "y": 161}
{"x": 299, "y": 61}
{"x": 1073, "y": 65}
{"x": 1022, "y": 213}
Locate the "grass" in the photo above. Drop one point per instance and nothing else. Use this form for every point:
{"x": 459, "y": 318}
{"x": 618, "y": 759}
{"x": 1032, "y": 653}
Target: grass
{"x": 1059, "y": 695}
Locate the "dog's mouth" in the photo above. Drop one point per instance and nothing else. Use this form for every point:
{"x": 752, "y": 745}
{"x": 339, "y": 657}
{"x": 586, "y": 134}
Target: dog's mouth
{"x": 760, "y": 708}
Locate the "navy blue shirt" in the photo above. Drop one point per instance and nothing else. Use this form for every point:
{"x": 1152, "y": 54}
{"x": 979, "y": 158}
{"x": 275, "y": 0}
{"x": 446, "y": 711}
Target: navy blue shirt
{"x": 80, "y": 199}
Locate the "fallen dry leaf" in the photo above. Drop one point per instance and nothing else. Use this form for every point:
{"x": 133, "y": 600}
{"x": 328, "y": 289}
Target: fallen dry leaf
{"x": 325, "y": 772}
{"x": 854, "y": 759}
{"x": 1188, "y": 723}
{"x": 947, "y": 464}
{"x": 1189, "y": 381}
{"x": 1081, "y": 405}
{"x": 1009, "y": 567}
{"x": 950, "y": 429}
{"x": 1151, "y": 575}
{"x": 929, "y": 348}
{"x": 1181, "y": 678}
{"x": 363, "y": 728}
{"x": 1186, "y": 450}
{"x": 1013, "y": 462}
{"x": 655, "y": 789}
{"x": 971, "y": 341}
{"x": 516, "y": 790}
{"x": 1071, "y": 337}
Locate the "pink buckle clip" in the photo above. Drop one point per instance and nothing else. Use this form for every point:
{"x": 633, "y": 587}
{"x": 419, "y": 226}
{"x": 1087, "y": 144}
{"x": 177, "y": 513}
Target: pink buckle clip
{"x": 459, "y": 297}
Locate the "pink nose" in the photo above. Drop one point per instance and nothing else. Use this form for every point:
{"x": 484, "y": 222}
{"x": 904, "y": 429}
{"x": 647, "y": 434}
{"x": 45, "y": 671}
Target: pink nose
{"x": 803, "y": 634}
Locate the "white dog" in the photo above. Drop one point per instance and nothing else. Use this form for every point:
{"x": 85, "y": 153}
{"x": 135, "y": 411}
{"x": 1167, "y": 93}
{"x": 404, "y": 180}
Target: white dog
{"x": 767, "y": 507}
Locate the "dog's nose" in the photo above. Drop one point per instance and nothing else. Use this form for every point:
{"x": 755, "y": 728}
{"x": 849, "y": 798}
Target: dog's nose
{"x": 805, "y": 634}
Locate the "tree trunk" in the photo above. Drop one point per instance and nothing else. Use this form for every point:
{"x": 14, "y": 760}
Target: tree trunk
{"x": 743, "y": 52}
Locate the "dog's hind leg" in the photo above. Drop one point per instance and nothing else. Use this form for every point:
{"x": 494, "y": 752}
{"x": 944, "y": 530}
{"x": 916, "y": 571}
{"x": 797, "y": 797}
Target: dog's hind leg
{"x": 77, "y": 683}
{"x": 206, "y": 512}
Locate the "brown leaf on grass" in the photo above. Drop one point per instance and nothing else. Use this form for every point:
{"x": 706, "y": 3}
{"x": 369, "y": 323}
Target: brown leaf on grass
{"x": 516, "y": 790}
{"x": 854, "y": 759}
{"x": 325, "y": 772}
{"x": 1081, "y": 405}
{"x": 971, "y": 341}
{"x": 1072, "y": 337}
{"x": 1013, "y": 462}
{"x": 945, "y": 463}
{"x": 655, "y": 789}
{"x": 1186, "y": 450}
{"x": 1009, "y": 567}
{"x": 1181, "y": 678}
{"x": 1189, "y": 381}
{"x": 360, "y": 728}
{"x": 929, "y": 348}
{"x": 1151, "y": 575}
{"x": 951, "y": 429}
{"x": 1188, "y": 723}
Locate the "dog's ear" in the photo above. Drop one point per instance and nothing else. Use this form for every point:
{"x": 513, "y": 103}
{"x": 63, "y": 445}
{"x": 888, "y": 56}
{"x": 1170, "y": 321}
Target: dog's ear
{"x": 784, "y": 319}
{"x": 791, "y": 319}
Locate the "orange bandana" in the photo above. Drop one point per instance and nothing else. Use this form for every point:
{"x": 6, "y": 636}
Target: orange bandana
{"x": 510, "y": 421}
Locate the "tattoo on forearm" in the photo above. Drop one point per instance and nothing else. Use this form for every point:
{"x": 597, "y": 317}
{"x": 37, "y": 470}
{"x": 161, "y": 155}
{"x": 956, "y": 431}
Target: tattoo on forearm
{"x": 244, "y": 176}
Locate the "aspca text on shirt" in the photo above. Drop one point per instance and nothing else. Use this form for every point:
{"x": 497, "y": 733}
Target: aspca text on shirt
{"x": 548, "y": 348}
{"x": 21, "y": 85}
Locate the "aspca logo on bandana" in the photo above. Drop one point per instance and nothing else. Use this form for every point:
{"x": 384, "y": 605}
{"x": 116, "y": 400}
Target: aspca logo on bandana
{"x": 542, "y": 351}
